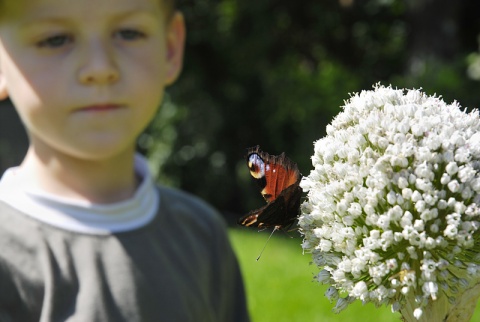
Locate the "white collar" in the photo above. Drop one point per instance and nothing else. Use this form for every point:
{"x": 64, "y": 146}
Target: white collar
{"x": 82, "y": 216}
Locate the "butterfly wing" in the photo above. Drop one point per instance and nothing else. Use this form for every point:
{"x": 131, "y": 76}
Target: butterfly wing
{"x": 281, "y": 212}
{"x": 273, "y": 173}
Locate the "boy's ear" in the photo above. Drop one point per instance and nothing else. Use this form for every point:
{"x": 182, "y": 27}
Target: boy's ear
{"x": 175, "y": 46}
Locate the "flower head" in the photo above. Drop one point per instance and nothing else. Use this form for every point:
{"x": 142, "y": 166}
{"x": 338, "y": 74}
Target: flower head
{"x": 393, "y": 201}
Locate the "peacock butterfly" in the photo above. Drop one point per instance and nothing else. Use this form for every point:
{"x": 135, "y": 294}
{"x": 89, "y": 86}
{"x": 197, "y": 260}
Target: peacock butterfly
{"x": 279, "y": 179}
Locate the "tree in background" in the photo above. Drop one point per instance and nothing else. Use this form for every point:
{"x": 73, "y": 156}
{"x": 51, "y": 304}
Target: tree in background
{"x": 274, "y": 72}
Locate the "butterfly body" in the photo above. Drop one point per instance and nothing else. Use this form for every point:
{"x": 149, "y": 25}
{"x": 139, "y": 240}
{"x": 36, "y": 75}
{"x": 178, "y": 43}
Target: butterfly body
{"x": 278, "y": 178}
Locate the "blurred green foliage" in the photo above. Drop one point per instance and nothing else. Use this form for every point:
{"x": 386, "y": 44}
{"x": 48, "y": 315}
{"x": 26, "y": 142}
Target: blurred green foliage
{"x": 275, "y": 72}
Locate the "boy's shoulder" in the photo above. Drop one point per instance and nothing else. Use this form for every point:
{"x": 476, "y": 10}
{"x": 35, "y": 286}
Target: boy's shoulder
{"x": 173, "y": 196}
{"x": 188, "y": 208}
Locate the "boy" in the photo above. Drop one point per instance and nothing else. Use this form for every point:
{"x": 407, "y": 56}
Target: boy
{"x": 85, "y": 235}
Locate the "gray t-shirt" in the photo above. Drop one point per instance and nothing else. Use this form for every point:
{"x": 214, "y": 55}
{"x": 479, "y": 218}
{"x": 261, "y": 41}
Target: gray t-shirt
{"x": 178, "y": 267}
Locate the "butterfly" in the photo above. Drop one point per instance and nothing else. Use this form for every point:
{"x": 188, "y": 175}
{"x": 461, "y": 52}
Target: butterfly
{"x": 278, "y": 178}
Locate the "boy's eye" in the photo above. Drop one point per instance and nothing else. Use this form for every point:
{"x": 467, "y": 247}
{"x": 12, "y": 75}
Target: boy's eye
{"x": 130, "y": 34}
{"x": 55, "y": 41}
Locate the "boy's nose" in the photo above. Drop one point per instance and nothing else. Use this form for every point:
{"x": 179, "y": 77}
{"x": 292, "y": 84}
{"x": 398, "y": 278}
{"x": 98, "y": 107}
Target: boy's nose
{"x": 98, "y": 66}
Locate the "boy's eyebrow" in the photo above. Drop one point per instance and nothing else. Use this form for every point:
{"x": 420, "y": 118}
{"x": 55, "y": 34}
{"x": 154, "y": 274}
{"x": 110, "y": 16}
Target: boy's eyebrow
{"x": 53, "y": 18}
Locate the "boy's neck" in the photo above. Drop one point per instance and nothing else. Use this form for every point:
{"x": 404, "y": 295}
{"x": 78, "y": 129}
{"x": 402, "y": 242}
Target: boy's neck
{"x": 101, "y": 182}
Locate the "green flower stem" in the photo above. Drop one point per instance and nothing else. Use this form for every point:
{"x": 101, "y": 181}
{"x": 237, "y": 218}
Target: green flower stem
{"x": 441, "y": 309}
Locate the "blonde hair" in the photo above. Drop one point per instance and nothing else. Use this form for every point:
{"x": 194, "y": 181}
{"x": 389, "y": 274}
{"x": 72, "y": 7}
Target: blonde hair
{"x": 170, "y": 6}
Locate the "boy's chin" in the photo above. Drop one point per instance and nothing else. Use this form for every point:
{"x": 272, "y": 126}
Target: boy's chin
{"x": 100, "y": 152}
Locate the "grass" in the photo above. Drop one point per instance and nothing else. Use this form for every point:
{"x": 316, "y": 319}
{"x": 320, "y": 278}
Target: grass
{"x": 280, "y": 285}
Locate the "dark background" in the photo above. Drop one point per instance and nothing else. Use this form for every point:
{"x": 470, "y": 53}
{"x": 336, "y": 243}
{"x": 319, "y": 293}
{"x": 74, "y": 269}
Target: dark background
{"x": 275, "y": 72}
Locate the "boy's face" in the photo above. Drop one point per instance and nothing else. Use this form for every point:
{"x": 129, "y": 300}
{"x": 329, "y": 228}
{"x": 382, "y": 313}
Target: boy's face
{"x": 87, "y": 76}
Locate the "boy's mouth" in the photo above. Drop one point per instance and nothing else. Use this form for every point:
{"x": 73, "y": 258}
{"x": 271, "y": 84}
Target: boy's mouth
{"x": 100, "y": 107}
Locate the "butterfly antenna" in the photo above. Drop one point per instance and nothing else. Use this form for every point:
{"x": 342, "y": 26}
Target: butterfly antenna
{"x": 261, "y": 252}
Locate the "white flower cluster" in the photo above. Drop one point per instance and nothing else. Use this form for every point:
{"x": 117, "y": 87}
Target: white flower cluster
{"x": 392, "y": 206}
